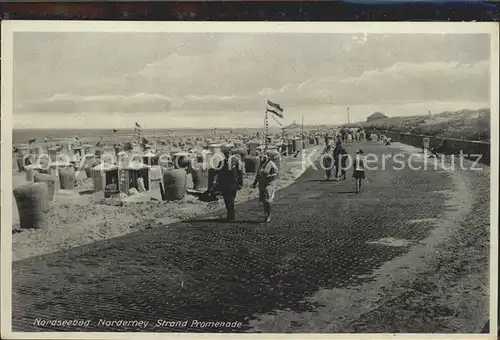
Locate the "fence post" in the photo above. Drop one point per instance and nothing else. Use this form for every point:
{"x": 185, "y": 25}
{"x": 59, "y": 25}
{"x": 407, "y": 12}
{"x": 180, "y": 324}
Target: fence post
{"x": 426, "y": 143}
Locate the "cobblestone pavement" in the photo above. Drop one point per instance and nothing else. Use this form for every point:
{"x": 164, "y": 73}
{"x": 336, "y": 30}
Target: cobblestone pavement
{"x": 207, "y": 270}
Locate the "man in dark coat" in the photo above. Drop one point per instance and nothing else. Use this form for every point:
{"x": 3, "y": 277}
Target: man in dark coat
{"x": 229, "y": 178}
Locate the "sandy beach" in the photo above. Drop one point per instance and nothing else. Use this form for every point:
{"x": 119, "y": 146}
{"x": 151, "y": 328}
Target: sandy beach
{"x": 73, "y": 219}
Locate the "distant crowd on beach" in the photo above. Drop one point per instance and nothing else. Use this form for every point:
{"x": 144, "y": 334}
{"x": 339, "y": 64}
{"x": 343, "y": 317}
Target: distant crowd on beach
{"x": 236, "y": 155}
{"x": 335, "y": 157}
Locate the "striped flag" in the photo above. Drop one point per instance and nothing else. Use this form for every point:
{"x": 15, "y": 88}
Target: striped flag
{"x": 277, "y": 121}
{"x": 274, "y": 108}
{"x": 137, "y": 131}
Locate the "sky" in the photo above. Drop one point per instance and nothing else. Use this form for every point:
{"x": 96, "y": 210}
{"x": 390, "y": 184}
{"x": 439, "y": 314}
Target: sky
{"x": 101, "y": 80}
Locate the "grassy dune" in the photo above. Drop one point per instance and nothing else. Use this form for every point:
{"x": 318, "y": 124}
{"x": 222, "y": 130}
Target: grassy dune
{"x": 464, "y": 124}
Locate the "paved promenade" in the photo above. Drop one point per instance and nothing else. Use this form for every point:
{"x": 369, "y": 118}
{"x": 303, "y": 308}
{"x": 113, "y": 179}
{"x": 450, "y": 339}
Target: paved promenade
{"x": 330, "y": 261}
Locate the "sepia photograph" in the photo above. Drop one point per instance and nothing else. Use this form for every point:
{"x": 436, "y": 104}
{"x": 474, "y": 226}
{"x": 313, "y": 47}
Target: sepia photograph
{"x": 312, "y": 178}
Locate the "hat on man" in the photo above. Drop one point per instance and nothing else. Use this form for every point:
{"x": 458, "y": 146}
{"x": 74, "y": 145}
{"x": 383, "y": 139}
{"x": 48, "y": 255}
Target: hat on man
{"x": 225, "y": 147}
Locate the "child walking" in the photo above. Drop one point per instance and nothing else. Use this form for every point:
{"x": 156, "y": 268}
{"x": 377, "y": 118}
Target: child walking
{"x": 359, "y": 170}
{"x": 327, "y": 161}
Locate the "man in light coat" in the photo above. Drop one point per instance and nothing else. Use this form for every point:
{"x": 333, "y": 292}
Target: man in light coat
{"x": 265, "y": 179}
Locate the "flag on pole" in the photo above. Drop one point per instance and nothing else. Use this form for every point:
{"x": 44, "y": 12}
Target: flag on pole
{"x": 137, "y": 131}
{"x": 274, "y": 108}
{"x": 277, "y": 121}
{"x": 266, "y": 129}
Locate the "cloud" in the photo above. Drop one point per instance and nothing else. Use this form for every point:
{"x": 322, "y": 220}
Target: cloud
{"x": 138, "y": 103}
{"x": 216, "y": 103}
{"x": 72, "y": 103}
{"x": 210, "y": 98}
{"x": 401, "y": 82}
{"x": 236, "y": 72}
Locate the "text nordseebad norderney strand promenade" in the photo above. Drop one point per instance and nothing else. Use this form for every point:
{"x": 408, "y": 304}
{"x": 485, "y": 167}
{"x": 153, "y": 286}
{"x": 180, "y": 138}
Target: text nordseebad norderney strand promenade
{"x": 160, "y": 323}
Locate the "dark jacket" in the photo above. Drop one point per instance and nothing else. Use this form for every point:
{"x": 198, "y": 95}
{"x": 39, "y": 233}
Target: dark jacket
{"x": 229, "y": 174}
{"x": 340, "y": 156}
{"x": 327, "y": 158}
{"x": 359, "y": 162}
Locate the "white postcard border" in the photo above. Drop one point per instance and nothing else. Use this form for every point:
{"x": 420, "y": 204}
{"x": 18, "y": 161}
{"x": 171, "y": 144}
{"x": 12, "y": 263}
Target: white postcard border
{"x": 9, "y": 27}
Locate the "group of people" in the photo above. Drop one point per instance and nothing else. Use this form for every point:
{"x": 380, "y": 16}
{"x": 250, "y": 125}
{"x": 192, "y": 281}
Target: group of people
{"x": 386, "y": 140}
{"x": 229, "y": 180}
{"x": 336, "y": 160}
{"x": 229, "y": 175}
{"x": 348, "y": 136}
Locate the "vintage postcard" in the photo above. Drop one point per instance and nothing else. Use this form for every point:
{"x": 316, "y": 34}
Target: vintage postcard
{"x": 324, "y": 180}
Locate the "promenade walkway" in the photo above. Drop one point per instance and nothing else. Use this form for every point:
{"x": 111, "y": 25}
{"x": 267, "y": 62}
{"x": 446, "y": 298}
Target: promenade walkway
{"x": 330, "y": 261}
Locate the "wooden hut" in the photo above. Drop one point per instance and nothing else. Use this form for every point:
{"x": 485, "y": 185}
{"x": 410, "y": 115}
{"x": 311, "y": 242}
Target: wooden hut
{"x": 53, "y": 152}
{"x": 215, "y": 148}
{"x": 88, "y": 149}
{"x": 151, "y": 159}
{"x": 130, "y": 175}
{"x": 104, "y": 175}
{"x": 252, "y": 148}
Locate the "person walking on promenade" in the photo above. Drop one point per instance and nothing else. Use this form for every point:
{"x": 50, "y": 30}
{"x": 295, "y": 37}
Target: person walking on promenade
{"x": 343, "y": 135}
{"x": 340, "y": 158}
{"x": 349, "y": 137}
{"x": 338, "y": 138}
{"x": 229, "y": 176}
{"x": 265, "y": 179}
{"x": 387, "y": 141}
{"x": 327, "y": 161}
{"x": 359, "y": 170}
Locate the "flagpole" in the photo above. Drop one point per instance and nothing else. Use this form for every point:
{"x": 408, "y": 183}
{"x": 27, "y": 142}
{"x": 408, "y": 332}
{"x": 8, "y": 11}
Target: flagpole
{"x": 265, "y": 128}
{"x": 302, "y": 127}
